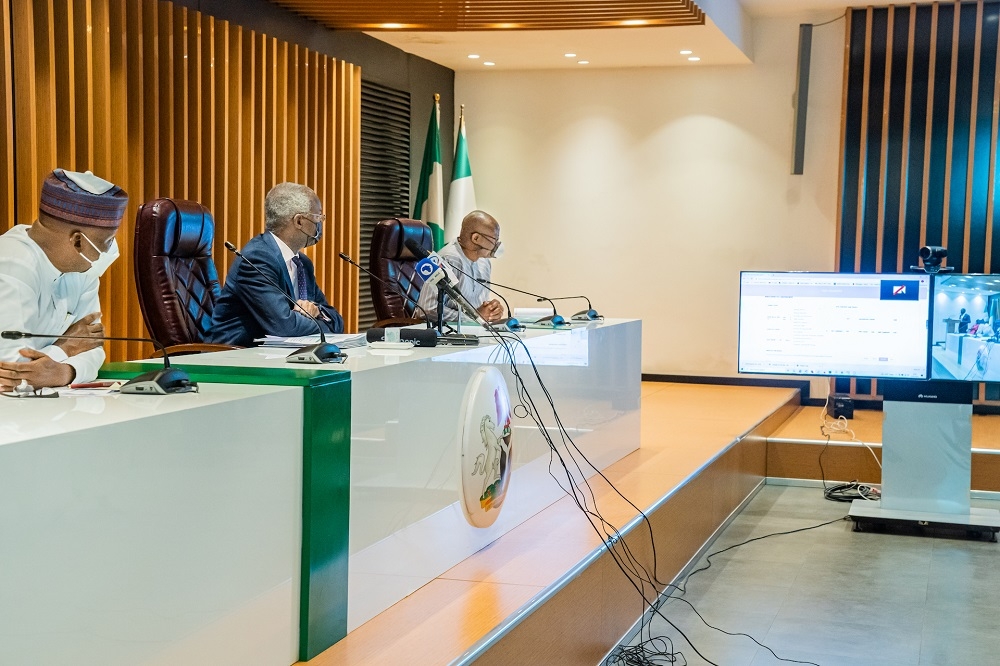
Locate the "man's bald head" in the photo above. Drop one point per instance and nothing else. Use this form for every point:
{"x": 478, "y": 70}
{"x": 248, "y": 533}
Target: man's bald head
{"x": 480, "y": 222}
{"x": 480, "y": 235}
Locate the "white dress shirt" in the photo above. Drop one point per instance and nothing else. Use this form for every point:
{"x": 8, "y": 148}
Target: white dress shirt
{"x": 474, "y": 292}
{"x": 288, "y": 255}
{"x": 37, "y": 298}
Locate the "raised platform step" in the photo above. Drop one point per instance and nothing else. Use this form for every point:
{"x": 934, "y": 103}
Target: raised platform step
{"x": 548, "y": 592}
{"x": 793, "y": 450}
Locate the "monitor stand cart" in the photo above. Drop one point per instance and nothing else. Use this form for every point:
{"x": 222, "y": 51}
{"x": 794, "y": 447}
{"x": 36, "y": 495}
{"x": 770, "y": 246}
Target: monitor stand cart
{"x": 926, "y": 463}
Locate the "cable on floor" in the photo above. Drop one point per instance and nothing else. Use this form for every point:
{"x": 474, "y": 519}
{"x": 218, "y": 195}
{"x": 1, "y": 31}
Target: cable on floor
{"x": 567, "y": 457}
{"x": 637, "y": 655}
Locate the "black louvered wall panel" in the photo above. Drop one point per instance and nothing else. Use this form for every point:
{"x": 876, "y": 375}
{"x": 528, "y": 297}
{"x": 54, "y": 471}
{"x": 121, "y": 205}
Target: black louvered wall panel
{"x": 385, "y": 171}
{"x": 920, "y": 160}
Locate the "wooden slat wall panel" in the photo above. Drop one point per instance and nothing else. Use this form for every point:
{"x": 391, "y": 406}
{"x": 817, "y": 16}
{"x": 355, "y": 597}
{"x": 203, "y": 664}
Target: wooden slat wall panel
{"x": 169, "y": 102}
{"x": 921, "y": 99}
{"x": 7, "y": 109}
{"x": 450, "y": 15}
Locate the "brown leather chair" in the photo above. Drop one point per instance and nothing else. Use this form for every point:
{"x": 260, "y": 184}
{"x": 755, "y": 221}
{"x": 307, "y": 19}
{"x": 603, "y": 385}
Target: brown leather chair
{"x": 390, "y": 260}
{"x": 176, "y": 279}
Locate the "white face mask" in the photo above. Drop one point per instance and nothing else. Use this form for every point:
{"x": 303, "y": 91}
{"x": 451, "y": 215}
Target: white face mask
{"x": 104, "y": 260}
{"x": 497, "y": 251}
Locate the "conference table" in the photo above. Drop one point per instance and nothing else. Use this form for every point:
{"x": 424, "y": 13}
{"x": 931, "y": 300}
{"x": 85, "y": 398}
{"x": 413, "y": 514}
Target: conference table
{"x": 288, "y": 503}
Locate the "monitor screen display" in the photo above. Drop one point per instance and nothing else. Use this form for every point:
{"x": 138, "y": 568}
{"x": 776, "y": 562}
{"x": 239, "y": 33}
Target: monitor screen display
{"x": 964, "y": 332}
{"x": 843, "y": 324}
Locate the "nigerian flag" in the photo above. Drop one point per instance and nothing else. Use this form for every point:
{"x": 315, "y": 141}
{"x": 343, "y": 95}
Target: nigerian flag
{"x": 429, "y": 205}
{"x": 461, "y": 194}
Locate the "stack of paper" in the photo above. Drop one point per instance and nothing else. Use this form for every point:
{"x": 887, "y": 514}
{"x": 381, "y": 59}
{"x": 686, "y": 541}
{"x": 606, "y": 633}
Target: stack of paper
{"x": 342, "y": 340}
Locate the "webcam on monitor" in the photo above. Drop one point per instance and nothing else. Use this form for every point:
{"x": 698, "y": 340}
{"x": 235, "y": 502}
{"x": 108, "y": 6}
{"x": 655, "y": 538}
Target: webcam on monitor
{"x": 931, "y": 257}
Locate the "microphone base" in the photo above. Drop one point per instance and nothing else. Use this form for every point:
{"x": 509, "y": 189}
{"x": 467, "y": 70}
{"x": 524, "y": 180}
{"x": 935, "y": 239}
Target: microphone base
{"x": 586, "y": 315}
{"x": 553, "y": 320}
{"x": 160, "y": 382}
{"x": 324, "y": 352}
{"x": 511, "y": 324}
{"x": 458, "y": 339}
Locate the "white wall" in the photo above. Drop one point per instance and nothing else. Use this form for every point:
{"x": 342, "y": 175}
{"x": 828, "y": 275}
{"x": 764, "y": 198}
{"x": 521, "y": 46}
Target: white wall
{"x": 650, "y": 189}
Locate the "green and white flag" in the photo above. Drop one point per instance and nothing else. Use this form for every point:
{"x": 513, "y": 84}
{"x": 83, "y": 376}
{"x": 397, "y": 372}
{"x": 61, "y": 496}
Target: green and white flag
{"x": 461, "y": 195}
{"x": 429, "y": 205}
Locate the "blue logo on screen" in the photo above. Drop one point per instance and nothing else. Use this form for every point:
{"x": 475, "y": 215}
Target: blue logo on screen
{"x": 900, "y": 290}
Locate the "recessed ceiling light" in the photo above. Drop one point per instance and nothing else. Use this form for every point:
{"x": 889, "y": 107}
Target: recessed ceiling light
{"x": 634, "y": 22}
{"x": 694, "y": 58}
{"x": 473, "y": 56}
{"x": 392, "y": 26}
{"x": 489, "y": 64}
{"x": 583, "y": 62}
{"x": 686, "y": 52}
{"x": 570, "y": 55}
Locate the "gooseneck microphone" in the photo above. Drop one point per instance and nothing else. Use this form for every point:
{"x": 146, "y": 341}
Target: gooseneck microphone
{"x": 510, "y": 322}
{"x": 555, "y": 318}
{"x": 323, "y": 352}
{"x": 445, "y": 284}
{"x": 395, "y": 287}
{"x": 589, "y": 314}
{"x": 161, "y": 382}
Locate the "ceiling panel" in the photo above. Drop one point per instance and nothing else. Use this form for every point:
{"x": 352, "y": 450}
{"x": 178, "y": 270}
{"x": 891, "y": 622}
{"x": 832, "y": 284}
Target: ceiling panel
{"x": 480, "y": 15}
{"x": 543, "y": 49}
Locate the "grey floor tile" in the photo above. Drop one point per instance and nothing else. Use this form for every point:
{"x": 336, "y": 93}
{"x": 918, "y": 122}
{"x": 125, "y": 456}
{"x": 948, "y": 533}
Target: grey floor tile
{"x": 858, "y": 640}
{"x": 860, "y": 609}
{"x": 746, "y": 599}
{"x": 735, "y": 647}
{"x": 765, "y": 658}
{"x": 958, "y": 622}
{"x": 958, "y": 649}
{"x": 835, "y": 597}
{"x": 728, "y": 573}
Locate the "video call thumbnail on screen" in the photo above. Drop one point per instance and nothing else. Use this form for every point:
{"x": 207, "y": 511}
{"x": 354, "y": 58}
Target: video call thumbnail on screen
{"x": 964, "y": 333}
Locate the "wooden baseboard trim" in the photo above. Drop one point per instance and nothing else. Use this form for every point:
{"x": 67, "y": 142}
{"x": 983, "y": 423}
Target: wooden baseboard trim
{"x": 801, "y": 384}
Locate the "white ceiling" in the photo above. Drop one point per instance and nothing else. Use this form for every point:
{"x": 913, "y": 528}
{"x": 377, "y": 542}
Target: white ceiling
{"x": 546, "y": 49}
{"x": 786, "y": 7}
{"x": 609, "y": 47}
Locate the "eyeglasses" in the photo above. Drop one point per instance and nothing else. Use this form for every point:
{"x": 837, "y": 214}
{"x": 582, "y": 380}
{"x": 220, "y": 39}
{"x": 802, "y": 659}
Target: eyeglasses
{"x": 318, "y": 218}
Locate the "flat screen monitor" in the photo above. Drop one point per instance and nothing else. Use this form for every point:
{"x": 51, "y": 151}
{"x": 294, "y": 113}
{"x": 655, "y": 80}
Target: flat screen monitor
{"x": 841, "y": 324}
{"x": 964, "y": 335}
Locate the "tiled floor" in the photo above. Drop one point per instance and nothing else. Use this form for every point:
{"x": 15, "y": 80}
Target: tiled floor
{"x": 834, "y": 597}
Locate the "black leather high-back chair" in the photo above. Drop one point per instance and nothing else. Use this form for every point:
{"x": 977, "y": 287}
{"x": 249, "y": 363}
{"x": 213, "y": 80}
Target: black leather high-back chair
{"x": 393, "y": 262}
{"x": 176, "y": 279}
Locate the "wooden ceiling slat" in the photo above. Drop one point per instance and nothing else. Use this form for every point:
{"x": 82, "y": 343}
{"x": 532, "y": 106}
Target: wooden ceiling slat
{"x": 468, "y": 15}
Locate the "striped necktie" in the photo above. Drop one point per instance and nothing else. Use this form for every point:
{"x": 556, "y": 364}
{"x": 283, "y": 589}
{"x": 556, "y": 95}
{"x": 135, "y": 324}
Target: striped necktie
{"x": 302, "y": 289}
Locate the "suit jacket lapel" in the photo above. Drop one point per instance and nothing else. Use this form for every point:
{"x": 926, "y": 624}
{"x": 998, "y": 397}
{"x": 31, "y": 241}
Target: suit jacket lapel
{"x": 275, "y": 254}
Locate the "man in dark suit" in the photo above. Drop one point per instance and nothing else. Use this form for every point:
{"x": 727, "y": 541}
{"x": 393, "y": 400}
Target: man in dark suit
{"x": 250, "y": 307}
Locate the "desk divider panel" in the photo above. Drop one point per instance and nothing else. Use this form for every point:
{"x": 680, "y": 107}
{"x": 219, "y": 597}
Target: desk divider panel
{"x": 326, "y": 468}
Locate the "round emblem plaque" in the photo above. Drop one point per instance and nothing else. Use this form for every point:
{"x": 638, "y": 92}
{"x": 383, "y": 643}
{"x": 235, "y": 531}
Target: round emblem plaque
{"x": 485, "y": 445}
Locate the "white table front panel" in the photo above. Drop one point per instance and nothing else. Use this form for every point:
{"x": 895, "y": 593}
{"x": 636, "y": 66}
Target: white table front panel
{"x": 407, "y": 526}
{"x": 151, "y": 530}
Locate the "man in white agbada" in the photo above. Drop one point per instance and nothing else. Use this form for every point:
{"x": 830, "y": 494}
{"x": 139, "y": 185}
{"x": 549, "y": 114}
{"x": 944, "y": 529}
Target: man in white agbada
{"x": 49, "y": 276}
{"x": 477, "y": 243}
